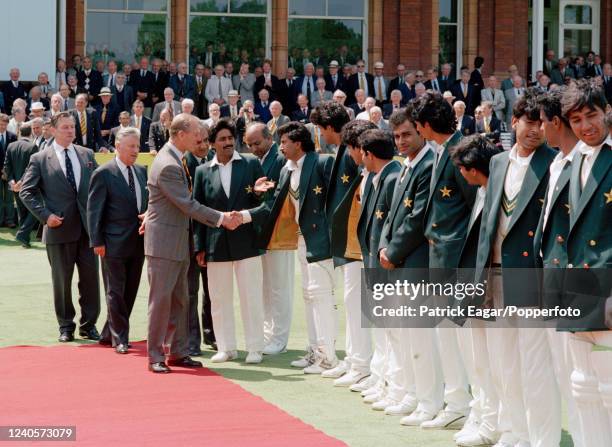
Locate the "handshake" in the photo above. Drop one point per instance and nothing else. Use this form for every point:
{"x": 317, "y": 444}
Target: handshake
{"x": 232, "y": 220}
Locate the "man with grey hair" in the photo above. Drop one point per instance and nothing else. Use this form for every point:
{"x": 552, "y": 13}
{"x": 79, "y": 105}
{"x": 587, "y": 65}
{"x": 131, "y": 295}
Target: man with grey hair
{"x": 169, "y": 103}
{"x": 493, "y": 93}
{"x": 218, "y": 87}
{"x": 187, "y": 105}
{"x": 419, "y": 89}
{"x": 394, "y": 105}
{"x": 13, "y": 88}
{"x": 512, "y": 95}
{"x": 277, "y": 120}
{"x": 340, "y": 97}
{"x": 117, "y": 197}
{"x": 182, "y": 83}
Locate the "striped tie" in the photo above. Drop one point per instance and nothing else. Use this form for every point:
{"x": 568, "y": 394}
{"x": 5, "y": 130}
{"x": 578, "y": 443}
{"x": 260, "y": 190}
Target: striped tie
{"x": 83, "y": 125}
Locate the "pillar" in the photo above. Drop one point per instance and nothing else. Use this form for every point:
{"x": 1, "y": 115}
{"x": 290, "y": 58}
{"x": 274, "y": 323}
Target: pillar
{"x": 375, "y": 31}
{"x": 537, "y": 40}
{"x": 280, "y": 36}
{"x": 178, "y": 45}
{"x": 75, "y": 29}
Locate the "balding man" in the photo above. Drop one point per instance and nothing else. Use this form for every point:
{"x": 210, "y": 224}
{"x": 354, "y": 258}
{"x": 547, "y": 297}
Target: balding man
{"x": 361, "y": 80}
{"x": 143, "y": 82}
{"x": 277, "y": 120}
{"x": 218, "y": 87}
{"x": 13, "y": 89}
{"x": 182, "y": 83}
{"x": 495, "y": 96}
{"x": 173, "y": 107}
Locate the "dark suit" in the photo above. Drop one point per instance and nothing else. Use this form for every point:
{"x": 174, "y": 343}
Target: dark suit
{"x": 124, "y": 99}
{"x": 301, "y": 82}
{"x": 91, "y": 83}
{"x": 394, "y": 84}
{"x": 160, "y": 84}
{"x": 274, "y": 91}
{"x": 298, "y": 115}
{"x": 7, "y": 209}
{"x": 408, "y": 92}
{"x": 226, "y": 112}
{"x": 68, "y": 244}
{"x": 111, "y": 119}
{"x": 143, "y": 84}
{"x": 199, "y": 98}
{"x": 388, "y": 110}
{"x": 468, "y": 125}
{"x": 15, "y": 163}
{"x": 263, "y": 112}
{"x": 339, "y": 85}
{"x": 11, "y": 93}
{"x": 145, "y": 126}
{"x": 494, "y": 129}
{"x": 429, "y": 85}
{"x": 94, "y": 139}
{"x": 353, "y": 85}
{"x": 112, "y": 219}
{"x": 287, "y": 97}
{"x": 607, "y": 86}
{"x": 182, "y": 89}
{"x": 445, "y": 84}
{"x": 158, "y": 136}
{"x": 471, "y": 100}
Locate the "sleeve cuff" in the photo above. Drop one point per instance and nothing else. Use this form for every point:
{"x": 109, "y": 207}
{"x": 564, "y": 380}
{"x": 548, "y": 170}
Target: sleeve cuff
{"x": 220, "y": 221}
{"x": 246, "y": 216}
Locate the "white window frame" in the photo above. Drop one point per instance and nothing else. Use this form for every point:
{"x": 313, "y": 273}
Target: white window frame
{"x": 459, "y": 25}
{"x": 593, "y": 27}
{"x": 168, "y": 14}
{"x": 364, "y": 20}
{"x": 267, "y": 16}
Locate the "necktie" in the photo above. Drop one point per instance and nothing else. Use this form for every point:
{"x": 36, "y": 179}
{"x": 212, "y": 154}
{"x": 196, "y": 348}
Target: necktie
{"x": 83, "y": 125}
{"x": 305, "y": 111}
{"x": 171, "y": 110}
{"x": 186, "y": 169}
{"x": 104, "y": 114}
{"x": 220, "y": 89}
{"x": 142, "y": 73}
{"x": 518, "y": 92}
{"x": 487, "y": 125}
{"x": 1, "y": 141}
{"x": 131, "y": 181}
{"x": 361, "y": 84}
{"x": 401, "y": 80}
{"x": 233, "y": 114}
{"x": 435, "y": 84}
{"x": 273, "y": 126}
{"x": 138, "y": 122}
{"x": 70, "y": 171}
{"x": 199, "y": 85}
{"x": 308, "y": 91}
{"x": 464, "y": 90}
{"x": 379, "y": 97}
{"x": 65, "y": 104}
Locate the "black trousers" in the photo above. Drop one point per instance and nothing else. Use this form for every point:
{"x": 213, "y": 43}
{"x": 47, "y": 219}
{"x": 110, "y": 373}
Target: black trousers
{"x": 27, "y": 222}
{"x": 121, "y": 281}
{"x": 8, "y": 216}
{"x": 195, "y": 335}
{"x": 63, "y": 258}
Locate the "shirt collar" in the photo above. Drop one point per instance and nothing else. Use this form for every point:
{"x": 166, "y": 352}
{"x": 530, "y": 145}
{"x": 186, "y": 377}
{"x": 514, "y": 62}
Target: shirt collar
{"x": 522, "y": 161}
{"x": 376, "y": 178}
{"x": 292, "y": 166}
{"x": 412, "y": 163}
{"x": 215, "y": 160}
{"x": 590, "y": 150}
{"x": 178, "y": 153}
{"x": 59, "y": 149}
{"x": 122, "y": 166}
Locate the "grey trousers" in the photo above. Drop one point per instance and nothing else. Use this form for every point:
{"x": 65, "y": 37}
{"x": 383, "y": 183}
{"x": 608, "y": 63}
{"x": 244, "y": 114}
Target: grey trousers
{"x": 168, "y": 308}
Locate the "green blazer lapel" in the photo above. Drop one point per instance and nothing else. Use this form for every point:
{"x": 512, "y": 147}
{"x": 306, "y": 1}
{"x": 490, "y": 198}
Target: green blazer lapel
{"x": 270, "y": 158}
{"x": 376, "y": 191}
{"x": 366, "y": 194}
{"x": 215, "y": 181}
{"x": 600, "y": 168}
{"x": 238, "y": 169}
{"x": 574, "y": 188}
{"x": 561, "y": 183}
{"x": 496, "y": 190}
{"x": 399, "y": 192}
{"x": 535, "y": 172}
{"x": 307, "y": 167}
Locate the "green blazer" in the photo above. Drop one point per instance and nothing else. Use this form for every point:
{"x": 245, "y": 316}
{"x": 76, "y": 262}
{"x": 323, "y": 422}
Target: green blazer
{"x": 312, "y": 220}
{"x": 374, "y": 210}
{"x": 344, "y": 172}
{"x": 403, "y": 232}
{"x": 448, "y": 210}
{"x": 219, "y": 244}
{"x": 341, "y": 216}
{"x": 273, "y": 163}
{"x": 520, "y": 281}
{"x": 589, "y": 242}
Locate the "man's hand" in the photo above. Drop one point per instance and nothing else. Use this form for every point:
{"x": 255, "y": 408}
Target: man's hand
{"x": 232, "y": 220}
{"x": 608, "y": 313}
{"x": 104, "y": 132}
{"x": 16, "y": 187}
{"x": 153, "y": 152}
{"x": 143, "y": 220}
{"x": 104, "y": 150}
{"x": 384, "y": 261}
{"x": 100, "y": 251}
{"x": 54, "y": 221}
{"x": 262, "y": 185}
{"x": 201, "y": 258}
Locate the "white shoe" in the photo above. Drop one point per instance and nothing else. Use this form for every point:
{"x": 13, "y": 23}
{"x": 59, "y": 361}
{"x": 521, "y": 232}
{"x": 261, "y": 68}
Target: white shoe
{"x": 375, "y": 397}
{"x": 474, "y": 440}
{"x": 503, "y": 444}
{"x": 274, "y": 348}
{"x": 321, "y": 364}
{"x": 364, "y": 384}
{"x": 336, "y": 372}
{"x": 307, "y": 360}
{"x": 224, "y": 356}
{"x": 447, "y": 420}
{"x": 373, "y": 389}
{"x": 470, "y": 428}
{"x": 523, "y": 444}
{"x": 417, "y": 418}
{"x": 350, "y": 378}
{"x": 254, "y": 357}
{"x": 401, "y": 409}
{"x": 383, "y": 404}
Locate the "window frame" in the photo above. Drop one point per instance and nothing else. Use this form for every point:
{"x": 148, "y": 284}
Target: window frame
{"x": 594, "y": 27}
{"x": 459, "y": 26}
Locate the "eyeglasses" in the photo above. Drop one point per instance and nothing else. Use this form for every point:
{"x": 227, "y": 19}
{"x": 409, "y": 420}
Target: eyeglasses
{"x": 360, "y": 66}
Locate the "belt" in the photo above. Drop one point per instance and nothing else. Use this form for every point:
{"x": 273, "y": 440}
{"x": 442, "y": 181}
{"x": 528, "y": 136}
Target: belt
{"x": 495, "y": 265}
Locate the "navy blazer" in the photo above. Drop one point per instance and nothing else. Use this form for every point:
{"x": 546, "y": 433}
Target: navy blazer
{"x": 94, "y": 138}
{"x": 264, "y": 112}
{"x": 183, "y": 90}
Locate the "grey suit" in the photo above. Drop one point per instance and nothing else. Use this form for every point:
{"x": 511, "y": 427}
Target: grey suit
{"x": 244, "y": 86}
{"x": 45, "y": 190}
{"x": 167, "y": 243}
{"x": 281, "y": 120}
{"x": 496, "y": 96}
{"x": 325, "y": 148}
{"x": 316, "y": 97}
{"x": 176, "y": 107}
{"x": 511, "y": 98}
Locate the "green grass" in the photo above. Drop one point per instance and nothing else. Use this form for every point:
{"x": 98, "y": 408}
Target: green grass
{"x": 27, "y": 318}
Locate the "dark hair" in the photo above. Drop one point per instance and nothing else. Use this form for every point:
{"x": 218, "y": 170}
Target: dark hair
{"x": 478, "y": 61}
{"x": 378, "y": 142}
{"x": 432, "y": 108}
{"x": 402, "y": 115}
{"x": 527, "y": 105}
{"x": 583, "y": 93}
{"x": 223, "y": 123}
{"x": 297, "y": 133}
{"x": 475, "y": 152}
{"x": 330, "y": 113}
{"x": 25, "y": 130}
{"x": 609, "y": 118}
{"x": 62, "y": 115}
{"x": 4, "y": 117}
{"x": 353, "y": 130}
{"x": 550, "y": 104}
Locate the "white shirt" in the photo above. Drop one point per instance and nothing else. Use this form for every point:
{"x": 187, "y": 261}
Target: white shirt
{"x": 555, "y": 169}
{"x": 365, "y": 116}
{"x": 376, "y": 178}
{"x": 590, "y": 155}
{"x": 479, "y": 203}
{"x": 124, "y": 171}
{"x": 225, "y": 172}
{"x": 294, "y": 182}
{"x": 74, "y": 159}
{"x": 517, "y": 168}
{"x": 362, "y": 185}
{"x": 439, "y": 149}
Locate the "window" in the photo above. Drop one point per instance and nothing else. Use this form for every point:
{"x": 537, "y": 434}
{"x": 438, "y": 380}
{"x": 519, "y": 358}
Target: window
{"x": 323, "y": 30}
{"x": 451, "y": 33}
{"x": 578, "y": 26}
{"x": 126, "y": 30}
{"x": 235, "y": 31}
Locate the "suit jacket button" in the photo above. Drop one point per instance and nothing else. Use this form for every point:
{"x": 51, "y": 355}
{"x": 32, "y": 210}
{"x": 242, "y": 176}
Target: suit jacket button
{"x": 556, "y": 261}
{"x": 530, "y": 234}
{"x": 525, "y": 254}
{"x": 560, "y": 239}
{"x": 314, "y": 225}
{"x": 431, "y": 242}
{"x": 570, "y": 266}
{"x": 586, "y": 266}
{"x": 592, "y": 243}
{"x": 314, "y": 211}
{"x": 434, "y": 225}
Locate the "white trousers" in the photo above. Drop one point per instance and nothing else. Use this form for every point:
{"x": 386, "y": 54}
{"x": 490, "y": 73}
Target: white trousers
{"x": 358, "y": 339}
{"x": 422, "y": 356}
{"x": 278, "y": 273}
{"x": 380, "y": 357}
{"x": 456, "y": 387}
{"x": 399, "y": 375}
{"x": 318, "y": 292}
{"x": 592, "y": 386}
{"x": 248, "y": 275}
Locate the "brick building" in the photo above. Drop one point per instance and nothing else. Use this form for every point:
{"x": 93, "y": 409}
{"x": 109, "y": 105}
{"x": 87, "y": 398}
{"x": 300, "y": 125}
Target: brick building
{"x": 415, "y": 32}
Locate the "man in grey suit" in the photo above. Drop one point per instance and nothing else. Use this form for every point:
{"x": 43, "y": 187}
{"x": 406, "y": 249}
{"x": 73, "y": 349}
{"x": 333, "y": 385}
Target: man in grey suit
{"x": 278, "y": 119}
{"x": 494, "y": 95}
{"x": 512, "y": 95}
{"x": 59, "y": 175}
{"x": 244, "y": 82}
{"x": 168, "y": 244}
{"x": 168, "y": 103}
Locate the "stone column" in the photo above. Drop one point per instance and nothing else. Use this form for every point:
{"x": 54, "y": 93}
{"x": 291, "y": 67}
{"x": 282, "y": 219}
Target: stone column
{"x": 280, "y": 36}
{"x": 178, "y": 41}
{"x": 375, "y": 31}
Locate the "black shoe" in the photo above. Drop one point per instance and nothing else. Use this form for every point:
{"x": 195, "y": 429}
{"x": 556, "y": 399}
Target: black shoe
{"x": 66, "y": 337}
{"x": 185, "y": 362}
{"x": 159, "y": 367}
{"x": 90, "y": 334}
{"x": 11, "y": 225}
{"x": 23, "y": 242}
{"x": 121, "y": 349}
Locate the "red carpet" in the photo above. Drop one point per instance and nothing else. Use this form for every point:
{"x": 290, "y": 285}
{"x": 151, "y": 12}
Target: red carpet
{"x": 113, "y": 400}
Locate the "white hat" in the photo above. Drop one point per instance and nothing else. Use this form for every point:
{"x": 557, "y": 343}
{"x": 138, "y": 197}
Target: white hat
{"x": 379, "y": 65}
{"x": 105, "y": 91}
{"x": 233, "y": 93}
{"x": 447, "y": 94}
{"x": 37, "y": 106}
{"x": 334, "y": 63}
